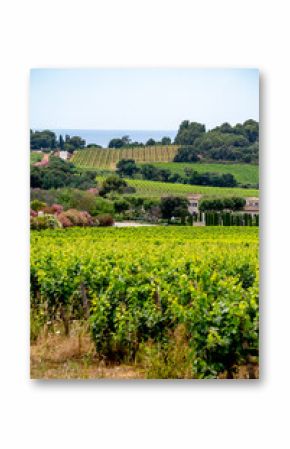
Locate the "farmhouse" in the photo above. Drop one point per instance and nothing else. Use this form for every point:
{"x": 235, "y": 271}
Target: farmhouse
{"x": 64, "y": 155}
{"x": 252, "y": 205}
{"x": 193, "y": 203}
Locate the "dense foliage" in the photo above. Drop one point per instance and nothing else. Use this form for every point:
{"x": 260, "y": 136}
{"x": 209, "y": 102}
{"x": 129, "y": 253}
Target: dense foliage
{"x": 115, "y": 184}
{"x": 186, "y": 154}
{"x": 230, "y": 203}
{"x": 137, "y": 286}
{"x": 126, "y": 142}
{"x": 47, "y": 140}
{"x": 225, "y": 142}
{"x": 247, "y": 175}
{"x": 188, "y": 132}
{"x": 128, "y": 168}
{"x": 59, "y": 173}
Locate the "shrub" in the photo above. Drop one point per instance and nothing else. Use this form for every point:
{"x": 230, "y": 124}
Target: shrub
{"x": 103, "y": 206}
{"x": 33, "y": 213}
{"x": 73, "y": 217}
{"x": 64, "y": 220}
{"x": 37, "y": 205}
{"x": 55, "y": 209}
{"x": 78, "y": 199}
{"x": 121, "y": 205}
{"x": 47, "y": 196}
{"x": 44, "y": 222}
{"x": 105, "y": 220}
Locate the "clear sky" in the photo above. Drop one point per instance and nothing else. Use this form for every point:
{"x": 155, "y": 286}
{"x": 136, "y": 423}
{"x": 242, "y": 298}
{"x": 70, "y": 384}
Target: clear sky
{"x": 141, "y": 98}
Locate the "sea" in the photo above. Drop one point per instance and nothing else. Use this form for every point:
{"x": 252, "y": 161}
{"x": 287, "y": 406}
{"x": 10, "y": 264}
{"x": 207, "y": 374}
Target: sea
{"x": 103, "y": 136}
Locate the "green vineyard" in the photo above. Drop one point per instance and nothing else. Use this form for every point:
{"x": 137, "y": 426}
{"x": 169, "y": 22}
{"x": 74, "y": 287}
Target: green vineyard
{"x": 107, "y": 158}
{"x": 158, "y": 189}
{"x": 244, "y": 173}
{"x": 137, "y": 287}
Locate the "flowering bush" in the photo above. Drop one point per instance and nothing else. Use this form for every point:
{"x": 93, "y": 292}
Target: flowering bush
{"x": 64, "y": 220}
{"x": 54, "y": 209}
{"x": 33, "y": 213}
{"x": 73, "y": 217}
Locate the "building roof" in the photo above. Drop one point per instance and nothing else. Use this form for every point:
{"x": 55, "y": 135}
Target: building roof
{"x": 194, "y": 196}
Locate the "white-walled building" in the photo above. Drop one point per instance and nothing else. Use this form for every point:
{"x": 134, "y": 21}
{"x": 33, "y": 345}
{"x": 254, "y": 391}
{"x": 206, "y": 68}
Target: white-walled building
{"x": 64, "y": 155}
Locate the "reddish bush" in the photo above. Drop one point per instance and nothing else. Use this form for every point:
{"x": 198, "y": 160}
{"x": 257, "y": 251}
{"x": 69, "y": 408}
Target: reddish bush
{"x": 57, "y": 208}
{"x": 73, "y": 217}
{"x": 54, "y": 209}
{"x": 105, "y": 220}
{"x": 87, "y": 218}
{"x": 64, "y": 220}
{"x": 33, "y": 213}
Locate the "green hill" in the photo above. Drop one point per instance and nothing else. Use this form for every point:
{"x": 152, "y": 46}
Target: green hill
{"x": 244, "y": 173}
{"x": 157, "y": 189}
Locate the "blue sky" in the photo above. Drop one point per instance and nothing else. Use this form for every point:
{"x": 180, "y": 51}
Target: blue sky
{"x": 141, "y": 98}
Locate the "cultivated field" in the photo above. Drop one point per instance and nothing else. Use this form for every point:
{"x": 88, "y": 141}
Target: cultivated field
{"x": 158, "y": 189}
{"x": 244, "y": 173}
{"x": 174, "y": 302}
{"x": 107, "y": 158}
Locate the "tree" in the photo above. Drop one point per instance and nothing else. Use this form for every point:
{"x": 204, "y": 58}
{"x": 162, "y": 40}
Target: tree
{"x": 251, "y": 128}
{"x": 121, "y": 206}
{"x": 113, "y": 184}
{"x": 165, "y": 141}
{"x": 188, "y": 132}
{"x": 94, "y": 145}
{"x": 116, "y": 143}
{"x": 59, "y": 173}
{"x": 219, "y": 204}
{"x": 150, "y": 142}
{"x": 149, "y": 172}
{"x": 126, "y": 140}
{"x": 127, "y": 167}
{"x": 42, "y": 140}
{"x": 173, "y": 206}
{"x": 186, "y": 154}
{"x": 61, "y": 142}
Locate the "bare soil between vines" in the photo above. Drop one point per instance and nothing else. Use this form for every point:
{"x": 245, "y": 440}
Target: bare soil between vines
{"x": 59, "y": 357}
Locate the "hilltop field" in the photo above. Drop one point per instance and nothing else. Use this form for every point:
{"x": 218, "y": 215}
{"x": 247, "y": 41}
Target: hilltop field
{"x": 244, "y": 173}
{"x": 156, "y": 189}
{"x": 107, "y": 158}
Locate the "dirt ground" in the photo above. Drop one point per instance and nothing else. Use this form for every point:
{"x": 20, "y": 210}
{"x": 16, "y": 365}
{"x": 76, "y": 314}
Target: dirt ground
{"x": 55, "y": 356}
{"x": 60, "y": 357}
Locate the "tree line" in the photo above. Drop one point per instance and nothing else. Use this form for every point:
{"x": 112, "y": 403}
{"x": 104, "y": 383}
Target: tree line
{"x": 238, "y": 143}
{"x": 128, "y": 168}
{"x": 225, "y": 142}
